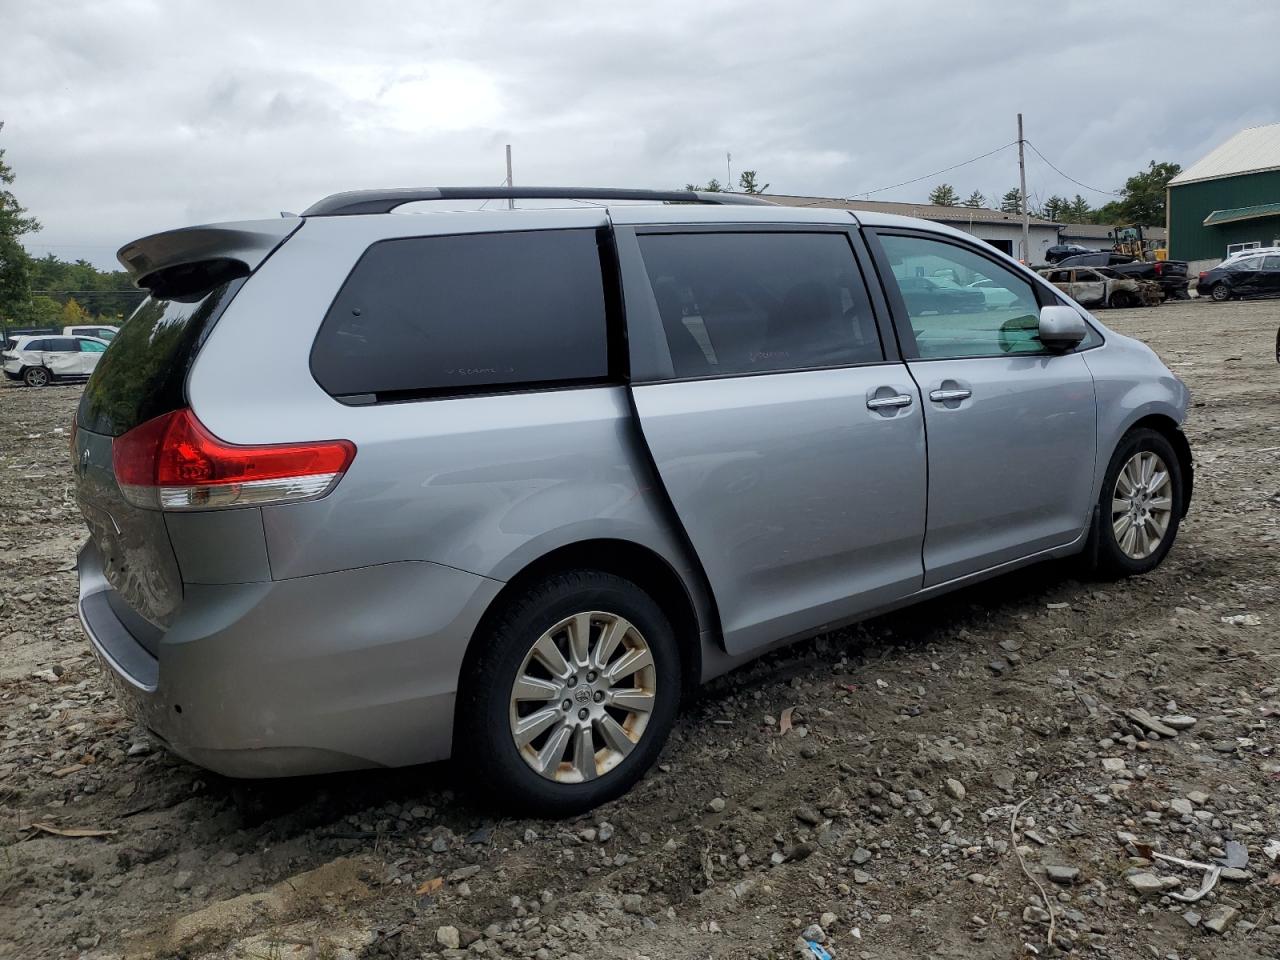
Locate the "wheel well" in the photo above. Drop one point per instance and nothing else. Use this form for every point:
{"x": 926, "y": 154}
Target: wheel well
{"x": 1168, "y": 428}
{"x": 622, "y": 558}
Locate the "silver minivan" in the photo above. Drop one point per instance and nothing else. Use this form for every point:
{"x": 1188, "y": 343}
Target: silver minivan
{"x": 374, "y": 489}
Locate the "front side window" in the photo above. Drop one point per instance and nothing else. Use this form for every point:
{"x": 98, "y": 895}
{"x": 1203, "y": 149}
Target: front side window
{"x": 1271, "y": 263}
{"x": 441, "y": 315}
{"x": 949, "y": 322}
{"x": 742, "y": 303}
{"x": 92, "y": 346}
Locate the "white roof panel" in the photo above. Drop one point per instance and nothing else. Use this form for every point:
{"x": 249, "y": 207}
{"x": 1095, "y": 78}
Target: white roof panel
{"x": 1249, "y": 151}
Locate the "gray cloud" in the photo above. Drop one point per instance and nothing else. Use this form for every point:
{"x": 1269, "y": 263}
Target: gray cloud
{"x": 132, "y": 117}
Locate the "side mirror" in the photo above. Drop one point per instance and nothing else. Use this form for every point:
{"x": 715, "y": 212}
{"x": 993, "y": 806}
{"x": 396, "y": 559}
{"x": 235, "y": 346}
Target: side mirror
{"x": 1061, "y": 328}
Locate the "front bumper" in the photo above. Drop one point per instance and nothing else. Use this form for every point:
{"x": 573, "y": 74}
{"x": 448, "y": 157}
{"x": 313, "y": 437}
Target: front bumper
{"x": 352, "y": 669}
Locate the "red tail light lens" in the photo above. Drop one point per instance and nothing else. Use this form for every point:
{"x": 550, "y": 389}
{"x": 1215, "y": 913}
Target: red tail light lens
{"x": 1203, "y": 274}
{"x": 174, "y": 463}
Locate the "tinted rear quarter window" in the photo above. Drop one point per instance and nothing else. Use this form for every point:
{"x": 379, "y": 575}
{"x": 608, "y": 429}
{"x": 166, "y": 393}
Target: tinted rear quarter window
{"x": 744, "y": 302}
{"x": 430, "y": 316}
{"x": 144, "y": 373}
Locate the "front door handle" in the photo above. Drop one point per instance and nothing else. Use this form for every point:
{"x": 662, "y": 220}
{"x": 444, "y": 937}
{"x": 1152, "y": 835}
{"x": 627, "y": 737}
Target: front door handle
{"x": 942, "y": 396}
{"x": 881, "y": 403}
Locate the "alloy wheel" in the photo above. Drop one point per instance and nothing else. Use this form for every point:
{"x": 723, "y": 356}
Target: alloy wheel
{"x": 37, "y": 377}
{"x": 1142, "y": 505}
{"x": 583, "y": 697}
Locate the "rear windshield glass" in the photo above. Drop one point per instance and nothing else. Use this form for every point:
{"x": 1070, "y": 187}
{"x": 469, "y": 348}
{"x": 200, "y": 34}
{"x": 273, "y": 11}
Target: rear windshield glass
{"x": 429, "y": 316}
{"x": 144, "y": 372}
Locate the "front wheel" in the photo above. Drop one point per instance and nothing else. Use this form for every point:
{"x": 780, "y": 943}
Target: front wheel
{"x": 1140, "y": 506}
{"x": 570, "y": 697}
{"x": 36, "y": 377}
{"x": 1220, "y": 293}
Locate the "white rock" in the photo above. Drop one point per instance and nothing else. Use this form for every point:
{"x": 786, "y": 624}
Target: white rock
{"x": 449, "y": 938}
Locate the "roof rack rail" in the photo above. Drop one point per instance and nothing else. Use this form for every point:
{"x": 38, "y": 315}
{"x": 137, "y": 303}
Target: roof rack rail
{"x": 384, "y": 201}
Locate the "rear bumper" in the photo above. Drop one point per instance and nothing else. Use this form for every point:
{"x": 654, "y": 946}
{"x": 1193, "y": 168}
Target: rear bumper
{"x": 344, "y": 670}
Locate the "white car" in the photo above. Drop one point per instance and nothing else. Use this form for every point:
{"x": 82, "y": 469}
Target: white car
{"x": 997, "y": 297}
{"x": 101, "y": 332}
{"x": 38, "y": 360}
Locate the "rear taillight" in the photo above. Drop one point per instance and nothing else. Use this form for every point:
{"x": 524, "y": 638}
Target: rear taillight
{"x": 1203, "y": 274}
{"x": 1159, "y": 268}
{"x": 174, "y": 463}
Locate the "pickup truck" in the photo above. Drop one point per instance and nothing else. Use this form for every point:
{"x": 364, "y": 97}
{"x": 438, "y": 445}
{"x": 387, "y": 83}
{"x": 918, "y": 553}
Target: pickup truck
{"x": 1171, "y": 275}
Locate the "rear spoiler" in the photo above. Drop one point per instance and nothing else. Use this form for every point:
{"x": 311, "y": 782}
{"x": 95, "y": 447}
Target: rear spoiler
{"x": 240, "y": 246}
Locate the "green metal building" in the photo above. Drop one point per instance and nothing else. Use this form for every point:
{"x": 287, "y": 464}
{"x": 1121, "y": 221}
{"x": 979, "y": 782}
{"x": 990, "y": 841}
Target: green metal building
{"x": 1229, "y": 200}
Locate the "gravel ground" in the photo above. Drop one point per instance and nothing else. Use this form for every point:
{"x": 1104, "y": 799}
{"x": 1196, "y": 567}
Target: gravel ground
{"x": 879, "y": 788}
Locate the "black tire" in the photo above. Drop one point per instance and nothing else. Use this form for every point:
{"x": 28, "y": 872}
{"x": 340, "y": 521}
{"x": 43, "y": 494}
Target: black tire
{"x": 484, "y": 747}
{"x": 36, "y": 377}
{"x": 1120, "y": 300}
{"x": 1110, "y": 561}
{"x": 1220, "y": 293}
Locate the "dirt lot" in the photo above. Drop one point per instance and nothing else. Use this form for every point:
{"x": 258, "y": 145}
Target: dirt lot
{"x": 883, "y": 813}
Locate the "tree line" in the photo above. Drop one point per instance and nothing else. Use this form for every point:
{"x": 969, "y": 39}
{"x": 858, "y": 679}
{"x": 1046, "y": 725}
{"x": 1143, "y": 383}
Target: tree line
{"x": 47, "y": 291}
{"x": 1140, "y": 201}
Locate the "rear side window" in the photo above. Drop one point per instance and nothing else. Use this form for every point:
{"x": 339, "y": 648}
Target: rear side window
{"x": 740, "y": 303}
{"x": 36, "y": 345}
{"x": 430, "y": 316}
{"x": 144, "y": 373}
{"x": 63, "y": 345}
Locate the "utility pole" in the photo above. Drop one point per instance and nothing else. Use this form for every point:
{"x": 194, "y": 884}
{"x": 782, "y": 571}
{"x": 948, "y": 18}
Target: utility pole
{"x": 728, "y": 160}
{"x": 1022, "y": 188}
{"x": 511, "y": 201}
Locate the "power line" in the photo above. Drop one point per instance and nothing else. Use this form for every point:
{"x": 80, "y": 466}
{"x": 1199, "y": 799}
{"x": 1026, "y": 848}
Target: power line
{"x": 84, "y": 293}
{"x": 927, "y": 176}
{"x": 1111, "y": 193}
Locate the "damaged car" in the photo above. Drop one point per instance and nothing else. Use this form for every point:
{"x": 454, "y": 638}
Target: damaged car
{"x": 1103, "y": 287}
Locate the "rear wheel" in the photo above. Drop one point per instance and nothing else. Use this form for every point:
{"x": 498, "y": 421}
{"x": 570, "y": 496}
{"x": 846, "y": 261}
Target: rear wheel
{"x": 570, "y": 697}
{"x": 1140, "y": 505}
{"x": 1121, "y": 299}
{"x": 1220, "y": 292}
{"x": 36, "y": 377}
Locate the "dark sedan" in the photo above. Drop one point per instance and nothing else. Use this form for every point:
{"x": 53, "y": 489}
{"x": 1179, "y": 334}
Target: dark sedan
{"x": 1060, "y": 251}
{"x": 1242, "y": 278}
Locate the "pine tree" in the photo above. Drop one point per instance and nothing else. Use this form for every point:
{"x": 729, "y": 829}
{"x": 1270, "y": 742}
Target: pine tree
{"x": 1078, "y": 210}
{"x": 1011, "y": 202}
{"x": 747, "y": 181}
{"x": 944, "y": 195}
{"x": 15, "y": 265}
{"x": 976, "y": 200}
{"x": 1055, "y": 208}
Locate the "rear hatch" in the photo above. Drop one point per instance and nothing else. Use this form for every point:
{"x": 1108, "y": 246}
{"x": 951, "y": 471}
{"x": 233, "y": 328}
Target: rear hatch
{"x": 192, "y": 276}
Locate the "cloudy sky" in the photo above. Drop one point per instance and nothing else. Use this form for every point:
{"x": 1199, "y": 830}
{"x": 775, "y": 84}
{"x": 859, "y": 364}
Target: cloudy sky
{"x": 128, "y": 117}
